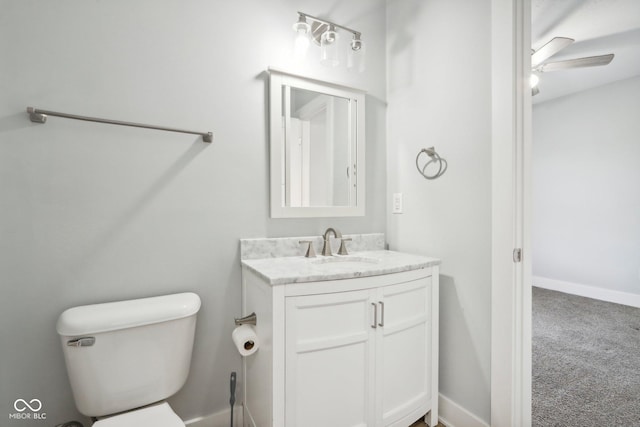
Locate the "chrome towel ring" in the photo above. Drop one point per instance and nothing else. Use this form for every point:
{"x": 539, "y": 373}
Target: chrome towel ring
{"x": 434, "y": 158}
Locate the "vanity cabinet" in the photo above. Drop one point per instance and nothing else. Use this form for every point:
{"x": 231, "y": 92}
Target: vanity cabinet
{"x": 343, "y": 353}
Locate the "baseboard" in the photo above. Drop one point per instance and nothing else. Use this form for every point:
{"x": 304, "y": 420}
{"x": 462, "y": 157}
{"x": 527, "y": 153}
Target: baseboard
{"x": 450, "y": 414}
{"x": 609, "y": 295}
{"x": 453, "y": 415}
{"x": 218, "y": 419}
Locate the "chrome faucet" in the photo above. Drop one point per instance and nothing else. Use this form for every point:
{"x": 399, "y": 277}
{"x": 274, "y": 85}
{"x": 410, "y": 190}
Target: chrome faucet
{"x": 326, "y": 247}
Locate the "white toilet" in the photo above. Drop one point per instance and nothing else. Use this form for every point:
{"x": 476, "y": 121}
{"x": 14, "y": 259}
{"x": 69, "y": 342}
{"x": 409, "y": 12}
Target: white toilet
{"x": 124, "y": 358}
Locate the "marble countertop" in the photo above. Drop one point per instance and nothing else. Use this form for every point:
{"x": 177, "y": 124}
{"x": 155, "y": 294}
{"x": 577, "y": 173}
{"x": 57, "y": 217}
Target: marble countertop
{"x": 297, "y": 269}
{"x": 278, "y": 247}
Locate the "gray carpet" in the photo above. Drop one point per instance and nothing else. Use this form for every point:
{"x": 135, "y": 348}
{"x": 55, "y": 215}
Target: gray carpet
{"x": 586, "y": 362}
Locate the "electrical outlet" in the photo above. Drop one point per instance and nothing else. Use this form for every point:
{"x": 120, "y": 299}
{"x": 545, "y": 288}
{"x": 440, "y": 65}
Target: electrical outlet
{"x": 397, "y": 203}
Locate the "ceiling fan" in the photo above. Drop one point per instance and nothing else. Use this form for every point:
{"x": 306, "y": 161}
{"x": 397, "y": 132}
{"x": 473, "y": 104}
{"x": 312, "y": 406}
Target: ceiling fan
{"x": 556, "y": 44}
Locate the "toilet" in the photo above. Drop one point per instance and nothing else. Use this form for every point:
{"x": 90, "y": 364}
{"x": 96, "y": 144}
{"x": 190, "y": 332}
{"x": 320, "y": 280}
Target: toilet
{"x": 125, "y": 358}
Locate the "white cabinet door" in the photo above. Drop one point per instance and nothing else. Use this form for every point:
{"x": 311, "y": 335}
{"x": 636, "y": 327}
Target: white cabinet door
{"x": 403, "y": 355}
{"x": 329, "y": 362}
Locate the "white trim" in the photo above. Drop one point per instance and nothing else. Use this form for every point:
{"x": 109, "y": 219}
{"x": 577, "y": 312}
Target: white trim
{"x": 218, "y": 419}
{"x": 450, "y": 414}
{"x": 276, "y": 70}
{"x": 510, "y": 192}
{"x": 356, "y": 98}
{"x": 594, "y": 292}
{"x": 454, "y": 415}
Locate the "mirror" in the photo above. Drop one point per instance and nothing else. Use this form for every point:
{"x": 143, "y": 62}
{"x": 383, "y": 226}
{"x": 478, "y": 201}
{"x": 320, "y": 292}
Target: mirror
{"x": 317, "y": 148}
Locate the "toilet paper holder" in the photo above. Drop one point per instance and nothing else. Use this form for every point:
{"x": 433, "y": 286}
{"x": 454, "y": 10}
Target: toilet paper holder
{"x": 250, "y": 319}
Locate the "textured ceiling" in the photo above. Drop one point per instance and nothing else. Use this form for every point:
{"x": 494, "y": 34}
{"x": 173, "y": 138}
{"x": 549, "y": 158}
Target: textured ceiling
{"x": 598, "y": 27}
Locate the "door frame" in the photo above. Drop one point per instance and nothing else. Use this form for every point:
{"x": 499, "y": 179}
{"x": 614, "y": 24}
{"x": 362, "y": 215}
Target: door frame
{"x": 511, "y": 214}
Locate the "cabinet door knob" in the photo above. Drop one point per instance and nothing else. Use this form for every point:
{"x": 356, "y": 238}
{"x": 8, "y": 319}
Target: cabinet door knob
{"x": 381, "y": 313}
{"x": 375, "y": 315}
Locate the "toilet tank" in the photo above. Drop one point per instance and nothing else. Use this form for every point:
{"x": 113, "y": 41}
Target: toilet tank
{"x": 127, "y": 354}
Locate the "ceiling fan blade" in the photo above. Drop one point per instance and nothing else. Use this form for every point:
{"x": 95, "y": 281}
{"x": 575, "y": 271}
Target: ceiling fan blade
{"x": 549, "y": 49}
{"x": 591, "y": 61}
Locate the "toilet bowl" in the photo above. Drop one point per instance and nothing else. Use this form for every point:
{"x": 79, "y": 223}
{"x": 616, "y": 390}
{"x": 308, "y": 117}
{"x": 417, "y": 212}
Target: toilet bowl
{"x": 125, "y": 358}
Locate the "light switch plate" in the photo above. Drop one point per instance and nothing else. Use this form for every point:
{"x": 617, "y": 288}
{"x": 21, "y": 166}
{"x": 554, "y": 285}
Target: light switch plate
{"x": 397, "y": 203}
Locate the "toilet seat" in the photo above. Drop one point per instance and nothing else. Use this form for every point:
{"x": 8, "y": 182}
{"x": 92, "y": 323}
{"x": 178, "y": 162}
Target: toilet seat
{"x": 160, "y": 415}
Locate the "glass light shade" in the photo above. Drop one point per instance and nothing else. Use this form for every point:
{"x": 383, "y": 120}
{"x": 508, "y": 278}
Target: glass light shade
{"x": 301, "y": 25}
{"x": 301, "y": 44}
{"x": 301, "y": 41}
{"x": 329, "y": 48}
{"x": 356, "y": 55}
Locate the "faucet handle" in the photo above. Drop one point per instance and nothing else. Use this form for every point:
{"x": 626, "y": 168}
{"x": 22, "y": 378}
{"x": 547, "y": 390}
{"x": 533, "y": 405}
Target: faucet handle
{"x": 343, "y": 248}
{"x": 311, "y": 253}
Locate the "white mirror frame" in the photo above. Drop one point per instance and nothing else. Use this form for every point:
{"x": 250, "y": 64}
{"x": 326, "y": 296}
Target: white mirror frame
{"x": 279, "y": 79}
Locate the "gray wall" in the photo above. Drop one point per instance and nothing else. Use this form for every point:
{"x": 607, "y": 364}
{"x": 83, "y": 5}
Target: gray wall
{"x": 93, "y": 213}
{"x": 439, "y": 94}
{"x": 586, "y": 192}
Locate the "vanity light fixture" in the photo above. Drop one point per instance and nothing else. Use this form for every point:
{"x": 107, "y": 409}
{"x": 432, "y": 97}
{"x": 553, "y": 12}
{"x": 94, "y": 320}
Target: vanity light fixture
{"x": 301, "y": 43}
{"x": 325, "y": 34}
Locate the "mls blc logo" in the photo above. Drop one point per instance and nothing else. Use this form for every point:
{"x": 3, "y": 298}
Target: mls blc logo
{"x": 28, "y": 410}
{"x": 21, "y": 405}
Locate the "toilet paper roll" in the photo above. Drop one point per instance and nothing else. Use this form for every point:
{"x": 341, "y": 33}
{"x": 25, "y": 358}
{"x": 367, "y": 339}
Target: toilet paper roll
{"x": 245, "y": 339}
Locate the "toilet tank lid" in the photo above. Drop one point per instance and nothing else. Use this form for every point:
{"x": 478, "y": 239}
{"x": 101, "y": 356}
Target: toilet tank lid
{"x": 111, "y": 316}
